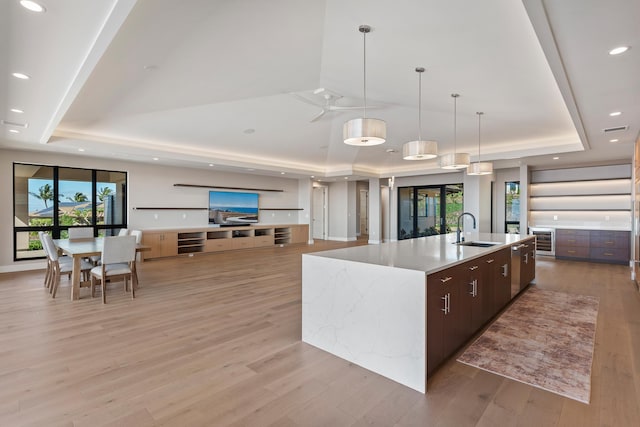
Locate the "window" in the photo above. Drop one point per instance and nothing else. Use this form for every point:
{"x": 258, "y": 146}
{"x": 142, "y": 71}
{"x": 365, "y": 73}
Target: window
{"x": 512, "y": 207}
{"x": 53, "y": 198}
{"x": 428, "y": 210}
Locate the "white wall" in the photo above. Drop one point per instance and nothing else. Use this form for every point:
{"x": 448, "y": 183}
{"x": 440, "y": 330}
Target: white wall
{"x": 342, "y": 211}
{"x": 150, "y": 185}
{"x": 477, "y": 201}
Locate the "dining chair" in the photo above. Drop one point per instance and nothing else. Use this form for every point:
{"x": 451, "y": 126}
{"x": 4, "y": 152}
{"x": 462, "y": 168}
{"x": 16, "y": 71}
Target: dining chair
{"x": 138, "y": 234}
{"x": 80, "y": 232}
{"x": 84, "y": 233}
{"x": 118, "y": 256}
{"x": 57, "y": 268}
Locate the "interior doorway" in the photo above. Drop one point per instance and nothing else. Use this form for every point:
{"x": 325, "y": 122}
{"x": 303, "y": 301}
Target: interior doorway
{"x": 320, "y": 218}
{"x": 364, "y": 213}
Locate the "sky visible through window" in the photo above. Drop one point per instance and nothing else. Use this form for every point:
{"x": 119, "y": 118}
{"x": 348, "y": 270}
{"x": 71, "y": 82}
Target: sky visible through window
{"x": 68, "y": 190}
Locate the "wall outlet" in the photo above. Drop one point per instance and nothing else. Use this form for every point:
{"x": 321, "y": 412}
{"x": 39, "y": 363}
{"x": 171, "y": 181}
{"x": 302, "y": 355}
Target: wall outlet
{"x": 155, "y": 216}
{"x": 555, "y": 217}
{"x": 607, "y": 217}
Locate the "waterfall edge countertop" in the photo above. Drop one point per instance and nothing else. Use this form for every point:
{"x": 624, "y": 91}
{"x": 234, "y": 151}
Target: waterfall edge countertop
{"x": 427, "y": 254}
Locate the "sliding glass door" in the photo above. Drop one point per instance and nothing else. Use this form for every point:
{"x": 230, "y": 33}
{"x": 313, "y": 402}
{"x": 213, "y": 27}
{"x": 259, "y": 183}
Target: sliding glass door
{"x": 428, "y": 210}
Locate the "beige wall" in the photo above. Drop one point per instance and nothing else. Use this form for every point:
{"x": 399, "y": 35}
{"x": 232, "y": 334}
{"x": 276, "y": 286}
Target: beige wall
{"x": 149, "y": 185}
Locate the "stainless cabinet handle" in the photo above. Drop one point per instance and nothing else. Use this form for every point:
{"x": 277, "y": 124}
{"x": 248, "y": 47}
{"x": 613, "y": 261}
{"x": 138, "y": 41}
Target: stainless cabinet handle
{"x": 608, "y": 254}
{"x": 444, "y": 298}
{"x": 475, "y": 288}
{"x": 473, "y": 267}
{"x": 446, "y": 279}
{"x": 448, "y": 303}
{"x": 489, "y": 261}
{"x": 526, "y": 258}
{"x": 505, "y": 270}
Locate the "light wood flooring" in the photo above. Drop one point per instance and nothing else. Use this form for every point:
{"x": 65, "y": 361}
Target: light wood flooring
{"x": 214, "y": 340}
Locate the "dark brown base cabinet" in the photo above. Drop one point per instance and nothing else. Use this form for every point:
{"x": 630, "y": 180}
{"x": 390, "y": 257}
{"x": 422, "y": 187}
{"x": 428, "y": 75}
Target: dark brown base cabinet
{"x": 462, "y": 299}
{"x": 593, "y": 245}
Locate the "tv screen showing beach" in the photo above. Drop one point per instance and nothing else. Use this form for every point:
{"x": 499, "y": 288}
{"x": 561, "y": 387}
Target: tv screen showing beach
{"x": 232, "y": 208}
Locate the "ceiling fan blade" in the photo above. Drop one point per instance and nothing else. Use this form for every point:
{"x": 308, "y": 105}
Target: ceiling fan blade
{"x": 305, "y": 100}
{"x": 318, "y": 116}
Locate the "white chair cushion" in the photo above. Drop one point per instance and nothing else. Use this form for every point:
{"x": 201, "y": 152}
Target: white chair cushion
{"x": 112, "y": 269}
{"x": 67, "y": 267}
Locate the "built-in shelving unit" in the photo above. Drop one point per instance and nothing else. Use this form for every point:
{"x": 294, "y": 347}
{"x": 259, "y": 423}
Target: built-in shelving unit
{"x": 598, "y": 196}
{"x": 226, "y": 187}
{"x": 280, "y": 209}
{"x": 165, "y": 243}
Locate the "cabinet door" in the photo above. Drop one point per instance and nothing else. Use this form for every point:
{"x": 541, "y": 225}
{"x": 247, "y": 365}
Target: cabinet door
{"x": 161, "y": 244}
{"x": 457, "y": 328}
{"x": 300, "y": 233}
{"x": 501, "y": 272}
{"x": 475, "y": 293}
{"x": 436, "y": 306}
{"x": 528, "y": 266}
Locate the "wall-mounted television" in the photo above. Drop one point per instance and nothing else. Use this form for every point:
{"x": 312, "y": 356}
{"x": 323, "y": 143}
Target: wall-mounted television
{"x": 229, "y": 208}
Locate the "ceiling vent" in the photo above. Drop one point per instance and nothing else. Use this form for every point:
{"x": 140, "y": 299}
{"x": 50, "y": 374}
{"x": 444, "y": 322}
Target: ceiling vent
{"x": 615, "y": 129}
{"x": 8, "y": 123}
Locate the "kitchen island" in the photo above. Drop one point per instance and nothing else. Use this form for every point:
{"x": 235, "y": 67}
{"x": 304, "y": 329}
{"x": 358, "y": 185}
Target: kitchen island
{"x": 401, "y": 308}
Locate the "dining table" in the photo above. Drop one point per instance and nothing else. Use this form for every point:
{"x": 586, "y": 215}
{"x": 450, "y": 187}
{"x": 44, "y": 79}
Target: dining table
{"x": 78, "y": 249}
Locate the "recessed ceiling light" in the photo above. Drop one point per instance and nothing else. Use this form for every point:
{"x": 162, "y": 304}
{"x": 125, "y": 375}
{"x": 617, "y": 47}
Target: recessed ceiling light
{"x": 17, "y": 110}
{"x": 556, "y": 158}
{"x": 618, "y": 50}
{"x": 155, "y": 158}
{"x": 80, "y": 149}
{"x": 249, "y": 131}
{"x": 615, "y": 113}
{"x": 21, "y": 76}
{"x": 614, "y": 140}
{"x": 32, "y": 6}
{"x": 211, "y": 164}
{"x": 150, "y": 67}
{"x": 250, "y": 169}
{"x": 312, "y": 176}
{"x": 14, "y": 131}
{"x": 346, "y": 177}
{"x": 391, "y": 150}
{"x": 282, "y": 173}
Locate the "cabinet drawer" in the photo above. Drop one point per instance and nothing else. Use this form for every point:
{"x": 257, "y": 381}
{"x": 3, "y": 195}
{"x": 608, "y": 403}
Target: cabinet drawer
{"x": 572, "y": 252}
{"x": 610, "y": 239}
{"x": 610, "y": 254}
{"x": 567, "y": 232}
{"x": 260, "y": 241}
{"x": 242, "y": 242}
{"x": 214, "y": 245}
{"x": 572, "y": 240}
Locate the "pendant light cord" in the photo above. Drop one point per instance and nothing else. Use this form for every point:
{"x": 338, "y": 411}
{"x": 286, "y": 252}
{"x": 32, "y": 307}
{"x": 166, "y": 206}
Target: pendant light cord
{"x": 479, "y": 113}
{"x": 455, "y": 115}
{"x": 419, "y": 104}
{"x": 364, "y": 66}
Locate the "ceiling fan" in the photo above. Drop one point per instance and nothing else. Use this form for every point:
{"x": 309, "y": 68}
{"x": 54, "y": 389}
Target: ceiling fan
{"x": 325, "y": 99}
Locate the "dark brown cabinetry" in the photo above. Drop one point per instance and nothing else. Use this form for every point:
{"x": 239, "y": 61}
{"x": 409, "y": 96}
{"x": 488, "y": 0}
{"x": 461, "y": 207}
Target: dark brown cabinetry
{"x": 499, "y": 272}
{"x": 448, "y": 314}
{"x": 593, "y": 245}
{"x": 462, "y": 299}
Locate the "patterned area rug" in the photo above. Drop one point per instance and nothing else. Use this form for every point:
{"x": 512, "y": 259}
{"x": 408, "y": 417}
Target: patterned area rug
{"x": 545, "y": 339}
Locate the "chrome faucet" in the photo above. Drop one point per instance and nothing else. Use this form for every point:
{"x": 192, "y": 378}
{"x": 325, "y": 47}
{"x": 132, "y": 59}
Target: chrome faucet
{"x": 459, "y": 225}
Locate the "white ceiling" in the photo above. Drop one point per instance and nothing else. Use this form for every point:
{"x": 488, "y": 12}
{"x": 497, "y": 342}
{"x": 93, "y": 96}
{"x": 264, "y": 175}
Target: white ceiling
{"x": 194, "y": 82}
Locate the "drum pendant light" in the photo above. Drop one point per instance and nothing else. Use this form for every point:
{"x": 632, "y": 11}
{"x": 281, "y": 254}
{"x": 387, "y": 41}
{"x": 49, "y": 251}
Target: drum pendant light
{"x": 420, "y": 150}
{"x": 480, "y": 167}
{"x": 364, "y": 131}
{"x": 455, "y": 160}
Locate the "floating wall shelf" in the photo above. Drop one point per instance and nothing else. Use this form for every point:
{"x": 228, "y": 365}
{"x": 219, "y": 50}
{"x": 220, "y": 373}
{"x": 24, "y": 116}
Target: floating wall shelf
{"x": 280, "y": 209}
{"x": 227, "y": 188}
{"x": 168, "y": 208}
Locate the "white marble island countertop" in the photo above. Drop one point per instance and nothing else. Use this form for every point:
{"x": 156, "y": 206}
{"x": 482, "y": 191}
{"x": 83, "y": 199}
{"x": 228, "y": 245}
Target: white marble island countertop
{"x": 426, "y": 254}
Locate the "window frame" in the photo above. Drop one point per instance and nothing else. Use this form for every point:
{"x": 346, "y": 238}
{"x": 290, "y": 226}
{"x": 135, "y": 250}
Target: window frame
{"x": 56, "y": 229}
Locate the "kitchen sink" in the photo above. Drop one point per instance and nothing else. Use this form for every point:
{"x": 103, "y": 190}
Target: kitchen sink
{"x": 479, "y": 244}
